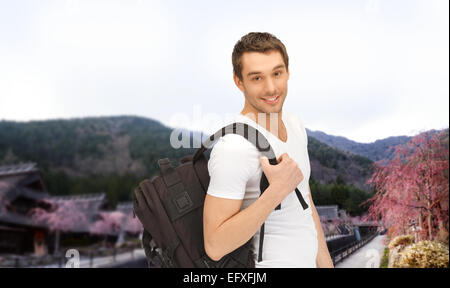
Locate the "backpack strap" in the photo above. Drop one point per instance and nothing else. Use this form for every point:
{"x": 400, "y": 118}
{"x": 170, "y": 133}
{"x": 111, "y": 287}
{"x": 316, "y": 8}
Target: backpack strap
{"x": 243, "y": 129}
{"x": 301, "y": 199}
{"x": 250, "y": 134}
{"x": 261, "y": 240}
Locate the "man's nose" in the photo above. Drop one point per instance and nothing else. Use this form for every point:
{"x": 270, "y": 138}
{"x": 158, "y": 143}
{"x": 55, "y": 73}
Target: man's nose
{"x": 270, "y": 87}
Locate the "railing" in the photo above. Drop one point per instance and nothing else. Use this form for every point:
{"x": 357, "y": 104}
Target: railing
{"x": 108, "y": 257}
{"x": 340, "y": 254}
{"x": 333, "y": 236}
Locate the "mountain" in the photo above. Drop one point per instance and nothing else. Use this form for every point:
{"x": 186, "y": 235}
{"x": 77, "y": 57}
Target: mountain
{"x": 327, "y": 163}
{"x": 85, "y": 146}
{"x": 90, "y": 155}
{"x": 380, "y": 149}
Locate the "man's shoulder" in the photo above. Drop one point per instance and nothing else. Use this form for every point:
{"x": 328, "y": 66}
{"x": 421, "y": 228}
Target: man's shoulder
{"x": 236, "y": 153}
{"x": 294, "y": 118}
{"x": 235, "y": 150}
{"x": 297, "y": 123}
{"x": 234, "y": 142}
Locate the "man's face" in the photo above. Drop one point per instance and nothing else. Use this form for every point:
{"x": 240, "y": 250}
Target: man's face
{"x": 264, "y": 81}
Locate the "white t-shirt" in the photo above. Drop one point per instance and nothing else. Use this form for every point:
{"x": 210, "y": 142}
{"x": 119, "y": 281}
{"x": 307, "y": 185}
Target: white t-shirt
{"x": 290, "y": 238}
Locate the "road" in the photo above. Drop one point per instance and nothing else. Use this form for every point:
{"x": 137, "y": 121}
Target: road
{"x": 108, "y": 261}
{"x": 368, "y": 256}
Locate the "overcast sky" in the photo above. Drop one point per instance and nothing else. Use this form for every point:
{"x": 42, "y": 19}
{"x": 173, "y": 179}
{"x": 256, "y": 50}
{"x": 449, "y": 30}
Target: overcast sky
{"x": 362, "y": 69}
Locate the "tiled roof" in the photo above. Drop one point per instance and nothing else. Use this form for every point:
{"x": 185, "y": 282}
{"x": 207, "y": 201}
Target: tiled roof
{"x": 82, "y": 197}
{"x": 125, "y": 207}
{"x": 16, "y": 185}
{"x": 89, "y": 204}
{"x": 17, "y": 169}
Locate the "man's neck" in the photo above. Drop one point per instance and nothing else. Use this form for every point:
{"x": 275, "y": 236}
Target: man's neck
{"x": 270, "y": 121}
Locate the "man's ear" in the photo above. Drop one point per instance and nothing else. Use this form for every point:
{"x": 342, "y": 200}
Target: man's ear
{"x": 238, "y": 82}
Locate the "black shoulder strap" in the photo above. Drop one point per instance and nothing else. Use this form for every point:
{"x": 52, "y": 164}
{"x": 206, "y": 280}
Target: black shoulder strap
{"x": 246, "y": 131}
{"x": 251, "y": 134}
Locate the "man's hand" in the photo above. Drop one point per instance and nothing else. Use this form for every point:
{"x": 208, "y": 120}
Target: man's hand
{"x": 286, "y": 175}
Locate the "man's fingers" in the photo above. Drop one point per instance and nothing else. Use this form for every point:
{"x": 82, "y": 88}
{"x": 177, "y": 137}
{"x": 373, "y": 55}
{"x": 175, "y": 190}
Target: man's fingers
{"x": 282, "y": 157}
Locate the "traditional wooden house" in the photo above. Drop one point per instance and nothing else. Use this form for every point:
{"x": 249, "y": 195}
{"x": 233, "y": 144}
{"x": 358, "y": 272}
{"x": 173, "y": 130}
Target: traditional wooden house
{"x": 21, "y": 189}
{"x": 81, "y": 213}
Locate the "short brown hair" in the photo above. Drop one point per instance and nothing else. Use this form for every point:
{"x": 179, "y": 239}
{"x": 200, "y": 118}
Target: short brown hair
{"x": 256, "y": 42}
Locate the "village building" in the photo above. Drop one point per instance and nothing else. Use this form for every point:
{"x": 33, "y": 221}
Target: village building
{"x": 22, "y": 190}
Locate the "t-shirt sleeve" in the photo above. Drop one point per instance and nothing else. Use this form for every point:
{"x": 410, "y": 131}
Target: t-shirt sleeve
{"x": 233, "y": 161}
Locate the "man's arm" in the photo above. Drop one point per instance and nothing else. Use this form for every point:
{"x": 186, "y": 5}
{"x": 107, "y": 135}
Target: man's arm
{"x": 226, "y": 228}
{"x": 323, "y": 259}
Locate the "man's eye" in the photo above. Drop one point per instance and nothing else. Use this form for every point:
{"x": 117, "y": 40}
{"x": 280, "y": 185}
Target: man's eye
{"x": 256, "y": 78}
{"x": 277, "y": 73}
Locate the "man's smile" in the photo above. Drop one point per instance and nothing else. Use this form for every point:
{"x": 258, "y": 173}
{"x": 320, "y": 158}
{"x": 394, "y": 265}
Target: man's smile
{"x": 271, "y": 100}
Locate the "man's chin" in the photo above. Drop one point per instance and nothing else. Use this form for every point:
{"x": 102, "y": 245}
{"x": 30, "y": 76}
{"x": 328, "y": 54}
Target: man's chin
{"x": 274, "y": 109}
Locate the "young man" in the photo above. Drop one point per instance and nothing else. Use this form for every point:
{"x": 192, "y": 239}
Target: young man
{"x": 234, "y": 210}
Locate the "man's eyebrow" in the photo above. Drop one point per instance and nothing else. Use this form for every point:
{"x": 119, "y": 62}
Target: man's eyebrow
{"x": 257, "y": 72}
{"x": 278, "y": 67}
{"x": 253, "y": 73}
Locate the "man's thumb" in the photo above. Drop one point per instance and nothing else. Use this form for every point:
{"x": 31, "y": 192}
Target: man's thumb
{"x": 264, "y": 161}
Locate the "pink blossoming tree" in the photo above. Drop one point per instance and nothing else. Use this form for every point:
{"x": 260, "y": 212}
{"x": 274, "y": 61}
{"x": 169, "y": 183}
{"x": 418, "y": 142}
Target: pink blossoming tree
{"x": 62, "y": 216}
{"x": 110, "y": 223}
{"x": 413, "y": 188}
